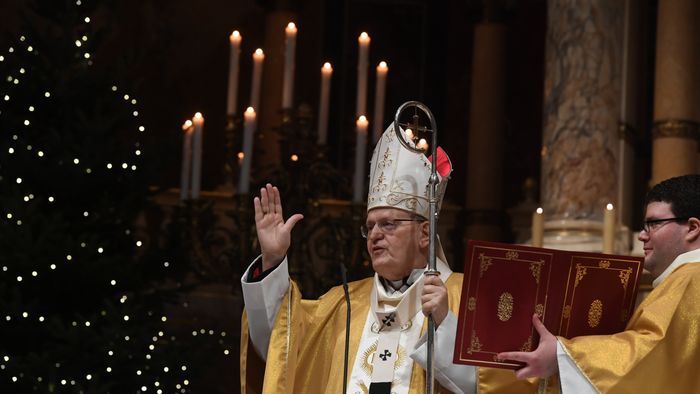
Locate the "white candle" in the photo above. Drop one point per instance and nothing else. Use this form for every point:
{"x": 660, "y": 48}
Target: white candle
{"x": 538, "y": 228}
{"x": 326, "y": 72}
{"x": 609, "y": 229}
{"x": 248, "y": 129}
{"x": 233, "y": 70}
{"x": 198, "y": 121}
{"x": 289, "y": 51}
{"x": 379, "y": 98}
{"x": 258, "y": 58}
{"x": 362, "y": 64}
{"x": 358, "y": 188}
{"x": 186, "y": 160}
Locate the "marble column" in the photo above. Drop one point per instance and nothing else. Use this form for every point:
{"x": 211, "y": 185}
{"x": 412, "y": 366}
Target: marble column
{"x": 582, "y": 96}
{"x": 484, "y": 201}
{"x": 676, "y": 90}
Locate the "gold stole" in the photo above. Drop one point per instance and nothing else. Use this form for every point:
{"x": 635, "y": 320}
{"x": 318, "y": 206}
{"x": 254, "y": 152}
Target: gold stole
{"x": 660, "y": 350}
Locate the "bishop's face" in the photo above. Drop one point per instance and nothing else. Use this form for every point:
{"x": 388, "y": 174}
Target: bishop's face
{"x": 663, "y": 241}
{"x": 395, "y": 246}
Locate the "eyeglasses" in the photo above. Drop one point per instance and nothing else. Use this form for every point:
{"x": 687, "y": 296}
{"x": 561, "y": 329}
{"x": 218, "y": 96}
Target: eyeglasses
{"x": 385, "y": 226}
{"x": 651, "y": 225}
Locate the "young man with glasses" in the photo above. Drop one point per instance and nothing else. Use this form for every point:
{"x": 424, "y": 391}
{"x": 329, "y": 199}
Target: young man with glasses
{"x": 301, "y": 342}
{"x": 659, "y": 352}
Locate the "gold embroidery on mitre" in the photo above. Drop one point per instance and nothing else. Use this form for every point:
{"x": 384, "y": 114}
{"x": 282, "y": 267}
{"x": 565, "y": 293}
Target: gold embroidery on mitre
{"x": 368, "y": 357}
{"x": 380, "y": 185}
{"x": 595, "y": 312}
{"x": 386, "y": 159}
{"x": 505, "y": 307}
{"x": 471, "y": 305}
{"x": 625, "y": 277}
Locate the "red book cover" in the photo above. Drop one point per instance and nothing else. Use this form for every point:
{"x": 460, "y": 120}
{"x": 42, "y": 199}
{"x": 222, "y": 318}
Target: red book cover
{"x": 574, "y": 293}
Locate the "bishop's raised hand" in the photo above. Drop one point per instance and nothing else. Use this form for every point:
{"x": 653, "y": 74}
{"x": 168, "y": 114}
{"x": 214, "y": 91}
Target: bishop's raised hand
{"x": 274, "y": 234}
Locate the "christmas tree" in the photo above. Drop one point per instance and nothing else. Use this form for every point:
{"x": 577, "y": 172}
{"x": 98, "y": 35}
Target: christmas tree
{"x": 83, "y": 297}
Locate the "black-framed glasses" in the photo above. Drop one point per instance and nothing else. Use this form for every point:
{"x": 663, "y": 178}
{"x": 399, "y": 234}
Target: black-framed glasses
{"x": 651, "y": 225}
{"x": 385, "y": 226}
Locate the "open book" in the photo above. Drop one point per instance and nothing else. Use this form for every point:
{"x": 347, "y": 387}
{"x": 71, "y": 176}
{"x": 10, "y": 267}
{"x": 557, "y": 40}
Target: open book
{"x": 574, "y": 293}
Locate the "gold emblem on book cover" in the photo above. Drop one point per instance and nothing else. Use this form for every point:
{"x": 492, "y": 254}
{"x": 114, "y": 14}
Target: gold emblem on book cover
{"x": 485, "y": 264}
{"x": 475, "y": 345}
{"x": 595, "y": 312}
{"x": 471, "y": 305}
{"x": 536, "y": 269}
{"x": 527, "y": 346}
{"x": 625, "y": 277}
{"x": 580, "y": 273}
{"x": 511, "y": 255}
{"x": 567, "y": 312}
{"x": 505, "y": 307}
{"x": 604, "y": 264}
{"x": 539, "y": 310}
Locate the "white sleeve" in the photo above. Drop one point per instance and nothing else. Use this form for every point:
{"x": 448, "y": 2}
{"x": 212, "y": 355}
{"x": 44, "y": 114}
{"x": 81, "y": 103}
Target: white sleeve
{"x": 457, "y": 378}
{"x": 573, "y": 381}
{"x": 262, "y": 301}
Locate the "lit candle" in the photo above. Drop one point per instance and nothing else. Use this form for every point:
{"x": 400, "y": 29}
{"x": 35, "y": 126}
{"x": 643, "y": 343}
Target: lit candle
{"x": 538, "y": 228}
{"x": 362, "y": 64}
{"x": 358, "y": 188}
{"x": 248, "y": 129}
{"x": 609, "y": 229}
{"x": 233, "y": 67}
{"x": 289, "y": 50}
{"x": 326, "y": 72}
{"x": 198, "y": 121}
{"x": 379, "y": 97}
{"x": 186, "y": 160}
{"x": 258, "y": 58}
{"x": 409, "y": 134}
{"x": 422, "y": 144}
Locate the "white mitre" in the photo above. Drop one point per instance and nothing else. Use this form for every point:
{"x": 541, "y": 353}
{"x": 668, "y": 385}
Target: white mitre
{"x": 399, "y": 178}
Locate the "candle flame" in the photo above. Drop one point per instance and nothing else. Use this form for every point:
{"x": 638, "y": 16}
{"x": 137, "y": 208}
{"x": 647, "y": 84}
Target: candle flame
{"x": 187, "y": 125}
{"x": 259, "y": 53}
{"x": 198, "y": 116}
{"x": 382, "y": 66}
{"x": 235, "y": 36}
{"x": 409, "y": 133}
{"x": 422, "y": 144}
{"x": 294, "y": 158}
{"x": 327, "y": 66}
{"x": 364, "y": 36}
{"x": 539, "y": 211}
{"x": 291, "y": 26}
{"x": 609, "y": 207}
{"x": 250, "y": 110}
{"x": 240, "y": 155}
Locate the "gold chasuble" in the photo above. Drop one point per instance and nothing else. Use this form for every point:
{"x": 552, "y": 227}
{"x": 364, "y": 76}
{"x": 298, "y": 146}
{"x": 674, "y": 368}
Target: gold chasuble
{"x": 660, "y": 350}
{"x": 306, "y": 351}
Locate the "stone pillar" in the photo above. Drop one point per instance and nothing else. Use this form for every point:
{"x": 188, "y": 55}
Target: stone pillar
{"x": 581, "y": 112}
{"x": 484, "y": 201}
{"x": 270, "y": 112}
{"x": 676, "y": 90}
